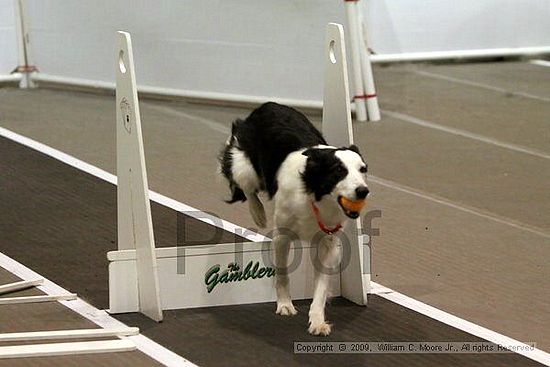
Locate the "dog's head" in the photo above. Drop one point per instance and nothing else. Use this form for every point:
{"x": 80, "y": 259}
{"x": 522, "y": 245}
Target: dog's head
{"x": 338, "y": 172}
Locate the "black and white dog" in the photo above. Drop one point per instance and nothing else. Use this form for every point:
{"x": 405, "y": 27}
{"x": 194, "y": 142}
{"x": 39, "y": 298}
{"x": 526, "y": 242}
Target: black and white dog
{"x": 277, "y": 150}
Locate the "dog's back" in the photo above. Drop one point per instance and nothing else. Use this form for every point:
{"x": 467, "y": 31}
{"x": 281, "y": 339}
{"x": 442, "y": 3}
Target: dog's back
{"x": 258, "y": 146}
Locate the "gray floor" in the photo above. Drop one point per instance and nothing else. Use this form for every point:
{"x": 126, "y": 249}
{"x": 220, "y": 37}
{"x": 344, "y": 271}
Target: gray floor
{"x": 460, "y": 171}
{"x": 73, "y": 219}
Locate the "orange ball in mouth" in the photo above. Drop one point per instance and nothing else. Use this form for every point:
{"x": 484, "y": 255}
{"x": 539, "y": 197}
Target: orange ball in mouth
{"x": 351, "y": 205}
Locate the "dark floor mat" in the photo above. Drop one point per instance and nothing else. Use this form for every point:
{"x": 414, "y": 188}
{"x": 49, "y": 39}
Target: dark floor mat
{"x": 249, "y": 335}
{"x": 61, "y": 221}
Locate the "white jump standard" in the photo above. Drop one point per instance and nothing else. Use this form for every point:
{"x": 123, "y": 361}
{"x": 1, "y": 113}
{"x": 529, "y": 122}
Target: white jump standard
{"x": 220, "y": 274}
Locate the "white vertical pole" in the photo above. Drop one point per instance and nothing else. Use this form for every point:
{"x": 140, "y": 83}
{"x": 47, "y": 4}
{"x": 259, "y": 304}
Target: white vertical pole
{"x": 373, "y": 111}
{"x": 24, "y": 57}
{"x": 337, "y": 129}
{"x": 353, "y": 31}
{"x": 135, "y": 227}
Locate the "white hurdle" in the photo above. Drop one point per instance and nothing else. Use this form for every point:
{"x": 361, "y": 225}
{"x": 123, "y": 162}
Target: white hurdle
{"x": 135, "y": 228}
{"x": 338, "y": 131}
{"x": 220, "y": 274}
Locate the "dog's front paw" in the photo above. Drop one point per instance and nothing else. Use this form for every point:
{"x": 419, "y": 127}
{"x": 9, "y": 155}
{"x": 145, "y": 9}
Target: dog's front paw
{"x": 321, "y": 328}
{"x": 286, "y": 309}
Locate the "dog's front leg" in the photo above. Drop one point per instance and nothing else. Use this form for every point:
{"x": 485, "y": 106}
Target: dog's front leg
{"x": 281, "y": 243}
{"x": 328, "y": 254}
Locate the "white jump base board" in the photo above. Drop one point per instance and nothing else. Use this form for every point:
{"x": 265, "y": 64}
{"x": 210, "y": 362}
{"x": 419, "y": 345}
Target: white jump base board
{"x": 189, "y": 290}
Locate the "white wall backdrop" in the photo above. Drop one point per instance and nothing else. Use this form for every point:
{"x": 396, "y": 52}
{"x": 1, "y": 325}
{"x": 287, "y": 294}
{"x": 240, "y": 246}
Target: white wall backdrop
{"x": 8, "y": 43}
{"x": 399, "y": 26}
{"x": 269, "y": 48}
{"x": 260, "y": 48}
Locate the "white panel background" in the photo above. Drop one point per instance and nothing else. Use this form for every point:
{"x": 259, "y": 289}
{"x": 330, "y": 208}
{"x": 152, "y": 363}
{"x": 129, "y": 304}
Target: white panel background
{"x": 250, "y": 47}
{"x": 8, "y": 41}
{"x": 270, "y": 48}
{"x": 397, "y": 26}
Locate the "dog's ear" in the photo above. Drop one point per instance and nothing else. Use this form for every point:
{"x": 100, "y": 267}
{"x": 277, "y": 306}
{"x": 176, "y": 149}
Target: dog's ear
{"x": 317, "y": 173}
{"x": 310, "y": 152}
{"x": 314, "y": 158}
{"x": 354, "y": 148}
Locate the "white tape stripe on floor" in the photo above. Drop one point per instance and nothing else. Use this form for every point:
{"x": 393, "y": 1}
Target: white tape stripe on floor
{"x": 466, "y": 134}
{"x": 203, "y": 121}
{"x": 223, "y": 129}
{"x": 104, "y": 320}
{"x": 109, "y": 177}
{"x": 540, "y": 63}
{"x": 458, "y": 323}
{"x": 99, "y": 317}
{"x": 479, "y": 85}
{"x": 448, "y": 203}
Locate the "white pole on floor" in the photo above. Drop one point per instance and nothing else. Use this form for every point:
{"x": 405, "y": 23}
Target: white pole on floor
{"x": 17, "y": 286}
{"x": 24, "y": 58}
{"x": 60, "y": 349}
{"x": 36, "y": 299}
{"x": 353, "y": 32}
{"x": 337, "y": 129}
{"x": 68, "y": 334}
{"x": 135, "y": 226}
{"x": 373, "y": 112}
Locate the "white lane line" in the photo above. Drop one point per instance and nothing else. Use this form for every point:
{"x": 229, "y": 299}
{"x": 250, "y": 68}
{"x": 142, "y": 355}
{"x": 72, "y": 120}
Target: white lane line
{"x": 99, "y": 317}
{"x": 467, "y": 134}
{"x": 228, "y": 226}
{"x": 172, "y": 111}
{"x": 387, "y": 183}
{"x": 158, "y": 352}
{"x": 155, "y": 196}
{"x": 442, "y": 201}
{"x": 479, "y": 85}
{"x": 459, "y": 323}
{"x": 545, "y": 63}
{"x": 216, "y": 126}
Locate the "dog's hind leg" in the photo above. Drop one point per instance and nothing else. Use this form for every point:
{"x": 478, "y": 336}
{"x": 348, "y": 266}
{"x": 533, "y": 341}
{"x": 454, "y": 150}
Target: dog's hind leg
{"x": 247, "y": 179}
{"x": 256, "y": 209}
{"x": 281, "y": 244}
{"x": 328, "y": 256}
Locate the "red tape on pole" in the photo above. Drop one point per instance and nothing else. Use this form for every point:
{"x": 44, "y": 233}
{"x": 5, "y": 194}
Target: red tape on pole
{"x": 365, "y": 96}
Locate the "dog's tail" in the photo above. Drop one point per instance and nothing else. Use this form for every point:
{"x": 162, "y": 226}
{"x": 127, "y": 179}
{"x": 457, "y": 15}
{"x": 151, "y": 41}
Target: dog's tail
{"x": 236, "y": 194}
{"x": 225, "y": 160}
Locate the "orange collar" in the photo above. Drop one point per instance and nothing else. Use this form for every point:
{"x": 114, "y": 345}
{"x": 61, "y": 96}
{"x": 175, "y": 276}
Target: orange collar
{"x": 321, "y": 224}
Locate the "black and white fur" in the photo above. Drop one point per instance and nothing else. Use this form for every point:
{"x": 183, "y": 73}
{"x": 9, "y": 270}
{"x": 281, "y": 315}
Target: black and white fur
{"x": 278, "y": 151}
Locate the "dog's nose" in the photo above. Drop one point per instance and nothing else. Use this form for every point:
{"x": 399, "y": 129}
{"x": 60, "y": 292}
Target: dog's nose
{"x": 362, "y": 192}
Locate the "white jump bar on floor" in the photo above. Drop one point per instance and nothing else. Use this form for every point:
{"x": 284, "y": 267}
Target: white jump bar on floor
{"x": 68, "y": 334}
{"x": 59, "y": 349}
{"x": 32, "y": 299}
{"x": 17, "y": 286}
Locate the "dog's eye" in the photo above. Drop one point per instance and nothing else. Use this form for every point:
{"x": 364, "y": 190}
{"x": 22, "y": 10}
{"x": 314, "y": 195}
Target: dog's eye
{"x": 363, "y": 169}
